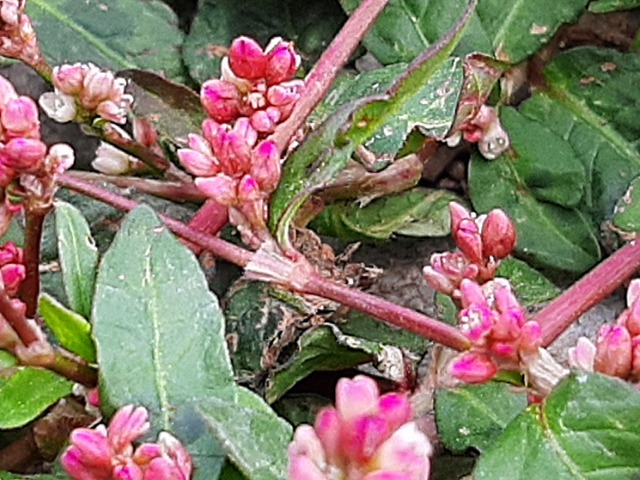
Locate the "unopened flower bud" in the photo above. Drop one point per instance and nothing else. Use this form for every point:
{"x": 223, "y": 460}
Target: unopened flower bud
{"x": 246, "y": 58}
{"x": 498, "y": 235}
{"x": 24, "y": 154}
{"x": 60, "y": 158}
{"x": 473, "y": 367}
{"x": 144, "y": 132}
{"x": 220, "y": 188}
{"x": 111, "y": 160}
{"x": 265, "y": 121}
{"x": 197, "y": 163}
{"x": 613, "y": 351}
{"x": 282, "y": 62}
{"x": 530, "y": 337}
{"x": 20, "y": 118}
{"x": 69, "y": 79}
{"x": 12, "y": 276}
{"x": 97, "y": 87}
{"x": 265, "y": 168}
{"x": 458, "y": 213}
{"x": 221, "y": 100}
{"x": 92, "y": 446}
{"x": 439, "y": 282}
{"x": 115, "y": 111}
{"x": 582, "y": 356}
{"x": 127, "y": 425}
{"x": 7, "y": 91}
{"x": 468, "y": 240}
{"x": 129, "y": 471}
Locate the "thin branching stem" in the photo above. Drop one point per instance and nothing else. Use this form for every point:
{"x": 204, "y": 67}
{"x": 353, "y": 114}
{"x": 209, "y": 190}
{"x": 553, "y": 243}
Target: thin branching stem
{"x": 30, "y": 289}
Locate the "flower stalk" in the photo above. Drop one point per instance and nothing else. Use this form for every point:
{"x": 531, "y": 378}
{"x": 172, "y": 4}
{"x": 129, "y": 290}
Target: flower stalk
{"x": 35, "y": 215}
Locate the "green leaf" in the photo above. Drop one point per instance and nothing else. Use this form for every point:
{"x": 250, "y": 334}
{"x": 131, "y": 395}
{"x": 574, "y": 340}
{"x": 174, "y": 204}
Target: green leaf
{"x": 72, "y": 330}
{"x": 160, "y": 334}
{"x": 311, "y": 25}
{"x": 549, "y": 236}
{"x": 42, "y": 476}
{"x": 476, "y": 415}
{"x": 530, "y": 286}
{"x": 113, "y": 34}
{"x": 605, "y": 6}
{"x": 419, "y": 212}
{"x": 300, "y": 408}
{"x": 586, "y": 429}
{"x": 78, "y": 257}
{"x": 28, "y": 393}
{"x": 7, "y": 360}
{"x": 510, "y": 30}
{"x": 323, "y": 348}
{"x": 253, "y": 436}
{"x": 626, "y": 216}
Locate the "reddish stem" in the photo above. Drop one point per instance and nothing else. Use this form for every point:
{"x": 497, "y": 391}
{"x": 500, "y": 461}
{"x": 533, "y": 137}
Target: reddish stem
{"x": 388, "y": 312}
{"x": 17, "y": 319}
{"x": 74, "y": 370}
{"x": 210, "y": 218}
{"x": 591, "y": 289}
{"x": 30, "y": 288}
{"x": 326, "y": 70}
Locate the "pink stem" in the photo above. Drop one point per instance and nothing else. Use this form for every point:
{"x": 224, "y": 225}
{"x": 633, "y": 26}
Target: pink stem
{"x": 326, "y": 70}
{"x": 210, "y": 218}
{"x": 591, "y": 289}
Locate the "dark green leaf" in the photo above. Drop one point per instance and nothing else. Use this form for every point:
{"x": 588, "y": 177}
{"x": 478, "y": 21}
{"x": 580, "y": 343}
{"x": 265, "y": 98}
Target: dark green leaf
{"x": 72, "y": 330}
{"x": 28, "y": 393}
{"x": 605, "y": 6}
{"x": 78, "y": 257}
{"x": 159, "y": 334}
{"x": 311, "y": 25}
{"x": 475, "y": 415}
{"x": 510, "y": 30}
{"x": 530, "y": 286}
{"x": 323, "y": 348}
{"x": 231, "y": 472}
{"x": 113, "y": 34}
{"x": 586, "y": 429}
{"x": 548, "y": 235}
{"x": 300, "y": 408}
{"x": 626, "y": 216}
{"x": 253, "y": 436}
{"x": 419, "y": 212}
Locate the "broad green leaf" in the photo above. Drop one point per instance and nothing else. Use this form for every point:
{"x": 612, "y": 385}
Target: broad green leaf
{"x": 605, "y": 6}
{"x": 549, "y": 236}
{"x": 253, "y": 436}
{"x": 159, "y": 334}
{"x": 419, "y": 212}
{"x": 626, "y": 216}
{"x": 7, "y": 360}
{"x": 530, "y": 286}
{"x": 311, "y": 25}
{"x": 28, "y": 393}
{"x": 510, "y": 30}
{"x": 323, "y": 348}
{"x": 473, "y": 416}
{"x": 586, "y": 429}
{"x": 113, "y": 34}
{"x": 78, "y": 257}
{"x": 72, "y": 330}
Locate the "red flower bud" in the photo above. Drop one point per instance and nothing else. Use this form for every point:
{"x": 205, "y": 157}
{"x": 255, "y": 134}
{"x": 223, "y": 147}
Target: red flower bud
{"x": 20, "y": 118}
{"x": 24, "y": 154}
{"x": 246, "y": 58}
{"x": 473, "y": 367}
{"x": 221, "y": 100}
{"x": 282, "y": 63}
{"x": 498, "y": 235}
{"x": 265, "y": 168}
{"x": 613, "y": 351}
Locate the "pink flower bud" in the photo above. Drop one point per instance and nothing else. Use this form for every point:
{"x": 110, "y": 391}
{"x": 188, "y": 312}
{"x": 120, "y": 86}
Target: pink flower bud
{"x": 246, "y": 58}
{"x": 221, "y": 100}
{"x": 438, "y": 281}
{"x": 405, "y": 454}
{"x": 221, "y": 188}
{"x": 357, "y": 396}
{"x": 396, "y": 409}
{"x": 60, "y": 158}
{"x": 306, "y": 455}
{"x": 498, "y": 235}
{"x": 24, "y": 154}
{"x": 69, "y": 79}
{"x": 10, "y": 253}
{"x": 468, "y": 240}
{"x": 97, "y": 86}
{"x": 128, "y": 471}
{"x": 530, "y": 337}
{"x": 282, "y": 62}
{"x": 144, "y": 132}
{"x": 248, "y": 190}
{"x": 127, "y": 425}
{"x": 179, "y": 456}
{"x": 90, "y": 447}
{"x": 472, "y": 294}
{"x": 7, "y": 91}
{"x": 265, "y": 121}
{"x": 582, "y": 356}
{"x": 243, "y": 128}
{"x": 12, "y": 276}
{"x": 458, "y": 213}
{"x": 476, "y": 322}
{"x": 265, "y": 168}
{"x": 473, "y": 367}
{"x": 363, "y": 437}
{"x": 20, "y": 118}
{"x": 198, "y": 164}
{"x": 71, "y": 461}
{"x": 115, "y": 111}
{"x": 613, "y": 351}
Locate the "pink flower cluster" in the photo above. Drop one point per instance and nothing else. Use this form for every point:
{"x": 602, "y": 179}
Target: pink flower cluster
{"x": 617, "y": 349}
{"x": 27, "y": 166}
{"x": 12, "y": 269}
{"x": 365, "y": 437}
{"x": 17, "y": 36}
{"x": 109, "y": 454}
{"x": 496, "y": 326}
{"x": 235, "y": 166}
{"x": 95, "y": 91}
{"x": 483, "y": 242}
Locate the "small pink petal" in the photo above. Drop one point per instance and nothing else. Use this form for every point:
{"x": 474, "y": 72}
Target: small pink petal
{"x": 356, "y": 397}
{"x": 328, "y": 429}
{"x": 127, "y": 425}
{"x": 473, "y": 367}
{"x": 220, "y": 188}
{"x": 246, "y": 58}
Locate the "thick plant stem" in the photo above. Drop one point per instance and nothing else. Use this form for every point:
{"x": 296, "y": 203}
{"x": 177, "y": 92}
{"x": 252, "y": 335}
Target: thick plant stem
{"x": 389, "y": 312}
{"x": 313, "y": 283}
{"x": 73, "y": 370}
{"x": 591, "y": 289}
{"x": 30, "y": 289}
{"x": 326, "y": 70}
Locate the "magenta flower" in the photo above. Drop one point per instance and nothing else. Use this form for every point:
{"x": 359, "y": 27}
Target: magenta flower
{"x": 108, "y": 453}
{"x": 365, "y": 437}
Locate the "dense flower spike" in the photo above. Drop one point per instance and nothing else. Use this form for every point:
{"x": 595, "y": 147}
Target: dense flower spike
{"x": 483, "y": 242}
{"x": 108, "y": 453}
{"x": 84, "y": 90}
{"x": 233, "y": 162}
{"x": 365, "y": 437}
